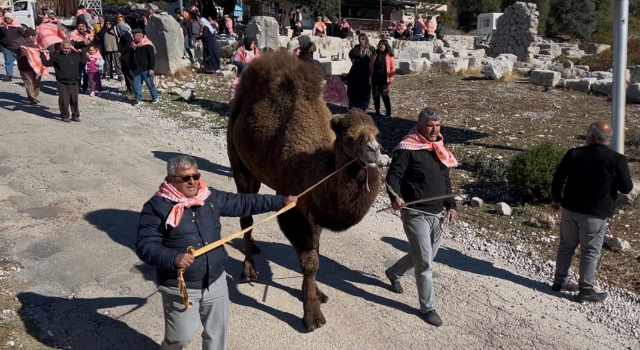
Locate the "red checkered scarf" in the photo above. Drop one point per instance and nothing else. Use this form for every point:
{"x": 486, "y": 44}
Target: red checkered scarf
{"x": 415, "y": 141}
{"x": 169, "y": 192}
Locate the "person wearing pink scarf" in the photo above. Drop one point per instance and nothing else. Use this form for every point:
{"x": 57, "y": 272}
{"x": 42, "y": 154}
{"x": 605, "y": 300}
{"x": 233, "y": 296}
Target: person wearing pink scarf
{"x": 185, "y": 213}
{"x": 419, "y": 171}
{"x": 10, "y": 30}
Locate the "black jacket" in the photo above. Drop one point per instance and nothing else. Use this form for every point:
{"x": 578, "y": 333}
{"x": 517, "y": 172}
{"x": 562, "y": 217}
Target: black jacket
{"x": 199, "y": 226}
{"x": 591, "y": 176}
{"x": 124, "y": 47}
{"x": 143, "y": 58}
{"x": 82, "y": 47}
{"x": 9, "y": 34}
{"x": 358, "y": 87}
{"x": 417, "y": 175}
{"x": 67, "y": 66}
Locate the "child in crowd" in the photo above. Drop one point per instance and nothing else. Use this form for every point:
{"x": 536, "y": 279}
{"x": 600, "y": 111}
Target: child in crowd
{"x": 94, "y": 64}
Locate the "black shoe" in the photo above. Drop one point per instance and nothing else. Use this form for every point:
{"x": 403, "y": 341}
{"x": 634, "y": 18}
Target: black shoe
{"x": 66, "y": 119}
{"x": 396, "y": 287}
{"x": 377, "y": 114}
{"x": 75, "y": 119}
{"x": 590, "y": 296}
{"x": 565, "y": 287}
{"x": 6, "y": 78}
{"x": 432, "y": 318}
{"x": 388, "y": 116}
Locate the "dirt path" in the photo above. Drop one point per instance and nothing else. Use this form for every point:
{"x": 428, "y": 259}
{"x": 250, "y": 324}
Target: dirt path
{"x": 69, "y": 201}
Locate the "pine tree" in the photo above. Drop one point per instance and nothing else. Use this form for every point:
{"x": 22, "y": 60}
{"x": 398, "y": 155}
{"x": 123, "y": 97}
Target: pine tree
{"x": 468, "y": 11}
{"x": 576, "y": 18}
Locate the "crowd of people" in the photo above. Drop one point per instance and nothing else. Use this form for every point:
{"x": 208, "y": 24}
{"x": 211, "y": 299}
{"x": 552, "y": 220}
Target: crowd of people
{"x": 429, "y": 30}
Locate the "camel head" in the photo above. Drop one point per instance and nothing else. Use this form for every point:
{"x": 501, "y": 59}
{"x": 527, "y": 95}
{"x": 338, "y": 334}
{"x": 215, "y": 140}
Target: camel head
{"x": 356, "y": 137}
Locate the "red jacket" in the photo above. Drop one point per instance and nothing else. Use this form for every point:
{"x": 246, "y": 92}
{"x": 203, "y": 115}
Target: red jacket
{"x": 391, "y": 67}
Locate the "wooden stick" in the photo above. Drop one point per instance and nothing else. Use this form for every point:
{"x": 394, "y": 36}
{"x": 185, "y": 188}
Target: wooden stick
{"x": 422, "y": 201}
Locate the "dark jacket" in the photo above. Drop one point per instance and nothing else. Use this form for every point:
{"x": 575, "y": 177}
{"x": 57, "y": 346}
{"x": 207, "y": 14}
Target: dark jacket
{"x": 415, "y": 175}
{"x": 143, "y": 58}
{"x": 199, "y": 226}
{"x": 9, "y": 34}
{"x": 358, "y": 87}
{"x": 439, "y": 31}
{"x": 124, "y": 47}
{"x": 66, "y": 66}
{"x": 82, "y": 47}
{"x": 591, "y": 176}
{"x": 297, "y": 31}
{"x": 367, "y": 56}
{"x": 23, "y": 61}
{"x": 306, "y": 53}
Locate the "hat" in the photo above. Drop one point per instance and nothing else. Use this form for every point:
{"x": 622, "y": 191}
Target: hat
{"x": 51, "y": 12}
{"x": 137, "y": 31}
{"x": 9, "y": 15}
{"x": 29, "y": 32}
{"x": 355, "y": 54}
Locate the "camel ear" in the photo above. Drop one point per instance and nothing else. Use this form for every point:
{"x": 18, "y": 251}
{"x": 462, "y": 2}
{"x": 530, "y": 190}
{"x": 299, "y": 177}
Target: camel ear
{"x": 335, "y": 126}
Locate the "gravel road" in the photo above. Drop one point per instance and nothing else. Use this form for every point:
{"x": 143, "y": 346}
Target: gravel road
{"x": 70, "y": 195}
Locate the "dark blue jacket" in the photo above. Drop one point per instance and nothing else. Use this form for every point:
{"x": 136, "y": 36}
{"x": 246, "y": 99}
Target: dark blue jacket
{"x": 199, "y": 226}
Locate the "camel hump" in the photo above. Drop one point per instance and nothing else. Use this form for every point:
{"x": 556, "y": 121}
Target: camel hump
{"x": 279, "y": 73}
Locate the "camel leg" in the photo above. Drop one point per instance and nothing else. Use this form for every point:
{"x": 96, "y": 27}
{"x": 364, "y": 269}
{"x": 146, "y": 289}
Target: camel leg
{"x": 245, "y": 183}
{"x": 305, "y": 238}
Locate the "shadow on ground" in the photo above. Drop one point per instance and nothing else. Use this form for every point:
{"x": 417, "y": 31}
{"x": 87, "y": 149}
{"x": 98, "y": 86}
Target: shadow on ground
{"x": 79, "y": 323}
{"x": 10, "y": 101}
{"x": 462, "y": 262}
{"x": 203, "y": 164}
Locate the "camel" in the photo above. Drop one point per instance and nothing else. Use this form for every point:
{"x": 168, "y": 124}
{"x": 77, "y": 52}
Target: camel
{"x": 282, "y": 134}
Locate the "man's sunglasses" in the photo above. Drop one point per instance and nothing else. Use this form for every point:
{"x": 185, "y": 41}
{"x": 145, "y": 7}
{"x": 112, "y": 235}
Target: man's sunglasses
{"x": 195, "y": 177}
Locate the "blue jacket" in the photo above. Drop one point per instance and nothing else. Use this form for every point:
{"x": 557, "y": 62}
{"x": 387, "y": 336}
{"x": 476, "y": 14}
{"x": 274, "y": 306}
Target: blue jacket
{"x": 199, "y": 226}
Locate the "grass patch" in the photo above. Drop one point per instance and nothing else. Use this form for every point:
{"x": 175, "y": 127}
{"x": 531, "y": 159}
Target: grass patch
{"x": 183, "y": 72}
{"x": 510, "y": 77}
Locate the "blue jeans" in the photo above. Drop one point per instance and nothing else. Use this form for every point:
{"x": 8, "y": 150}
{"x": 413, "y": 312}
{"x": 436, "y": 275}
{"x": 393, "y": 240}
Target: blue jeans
{"x": 8, "y": 61}
{"x": 417, "y": 37}
{"x": 138, "y": 78}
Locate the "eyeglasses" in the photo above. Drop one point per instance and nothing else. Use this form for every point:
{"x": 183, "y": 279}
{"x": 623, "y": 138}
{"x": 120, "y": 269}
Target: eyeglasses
{"x": 186, "y": 178}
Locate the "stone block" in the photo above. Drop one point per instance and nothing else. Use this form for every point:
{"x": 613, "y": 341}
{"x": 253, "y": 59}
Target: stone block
{"x": 412, "y": 50}
{"x": 416, "y": 66}
{"x": 477, "y": 53}
{"x": 603, "y": 86}
{"x": 461, "y": 53}
{"x": 634, "y": 74}
{"x": 633, "y": 93}
{"x": 477, "y": 63}
{"x": 596, "y": 49}
{"x": 602, "y": 75}
{"x": 266, "y": 31}
{"x": 511, "y": 57}
{"x": 453, "y": 65}
{"x": 164, "y": 31}
{"x": 283, "y": 41}
{"x": 431, "y": 56}
{"x": 228, "y": 50}
{"x": 496, "y": 69}
{"x": 582, "y": 85}
{"x": 335, "y": 68}
{"x": 573, "y": 53}
{"x": 565, "y": 68}
{"x": 328, "y": 46}
{"x": 546, "y": 78}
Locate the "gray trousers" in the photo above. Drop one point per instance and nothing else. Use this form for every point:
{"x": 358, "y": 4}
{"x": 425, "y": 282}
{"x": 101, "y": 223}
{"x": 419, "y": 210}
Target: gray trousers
{"x": 586, "y": 231}
{"x": 210, "y": 306}
{"x": 424, "y": 233}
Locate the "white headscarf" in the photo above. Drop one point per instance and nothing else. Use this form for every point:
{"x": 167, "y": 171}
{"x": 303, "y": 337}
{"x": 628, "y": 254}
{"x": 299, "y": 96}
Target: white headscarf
{"x": 205, "y": 23}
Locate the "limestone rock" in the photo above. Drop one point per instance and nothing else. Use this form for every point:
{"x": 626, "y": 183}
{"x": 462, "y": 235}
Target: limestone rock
{"x": 186, "y": 94}
{"x": 511, "y": 57}
{"x": 503, "y": 208}
{"x": 547, "y": 78}
{"x": 573, "y": 52}
{"x": 495, "y": 69}
{"x": 545, "y": 221}
{"x": 227, "y": 51}
{"x": 416, "y": 66}
{"x": 265, "y": 30}
{"x": 476, "y": 202}
{"x": 616, "y": 243}
{"x": 604, "y": 86}
{"x": 477, "y": 63}
{"x": 596, "y": 49}
{"x": 633, "y": 93}
{"x": 565, "y": 68}
{"x": 412, "y": 50}
{"x": 582, "y": 85}
{"x": 632, "y": 196}
{"x": 602, "y": 75}
{"x": 453, "y": 65}
{"x": 283, "y": 41}
{"x": 335, "y": 68}
{"x": 327, "y": 46}
{"x": 164, "y": 31}
{"x": 516, "y": 31}
{"x": 634, "y": 74}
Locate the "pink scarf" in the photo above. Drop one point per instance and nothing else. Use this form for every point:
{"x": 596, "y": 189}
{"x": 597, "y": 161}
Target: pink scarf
{"x": 76, "y": 36}
{"x": 146, "y": 41}
{"x": 415, "y": 141}
{"x": 169, "y": 192}
{"x": 13, "y": 24}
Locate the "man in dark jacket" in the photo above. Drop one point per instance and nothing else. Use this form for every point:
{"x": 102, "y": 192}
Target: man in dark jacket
{"x": 420, "y": 170}
{"x": 358, "y": 86}
{"x": 8, "y": 33}
{"x": 186, "y": 213}
{"x": 29, "y": 77}
{"x": 591, "y": 176}
{"x": 143, "y": 62}
{"x": 82, "y": 39}
{"x": 66, "y": 64}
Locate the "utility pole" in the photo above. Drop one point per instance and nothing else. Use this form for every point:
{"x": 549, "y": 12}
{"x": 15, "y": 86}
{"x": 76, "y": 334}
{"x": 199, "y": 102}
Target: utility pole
{"x": 181, "y": 7}
{"x": 381, "y": 16}
{"x": 621, "y": 35}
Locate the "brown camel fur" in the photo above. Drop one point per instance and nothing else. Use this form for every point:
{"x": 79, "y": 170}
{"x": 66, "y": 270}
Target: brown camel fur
{"x": 281, "y": 134}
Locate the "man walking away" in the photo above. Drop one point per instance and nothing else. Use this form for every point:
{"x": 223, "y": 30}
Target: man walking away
{"x": 10, "y": 30}
{"x": 420, "y": 170}
{"x": 591, "y": 176}
{"x": 66, "y": 64}
{"x": 29, "y": 77}
{"x": 143, "y": 61}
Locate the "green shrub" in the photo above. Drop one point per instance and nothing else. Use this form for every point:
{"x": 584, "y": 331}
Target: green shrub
{"x": 633, "y": 138}
{"x": 531, "y": 172}
{"x": 490, "y": 170}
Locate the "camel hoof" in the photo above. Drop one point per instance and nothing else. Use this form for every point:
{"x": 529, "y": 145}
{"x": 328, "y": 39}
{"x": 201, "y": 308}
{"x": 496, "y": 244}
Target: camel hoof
{"x": 313, "y": 320}
{"x": 255, "y": 250}
{"x": 249, "y": 278}
{"x": 323, "y": 298}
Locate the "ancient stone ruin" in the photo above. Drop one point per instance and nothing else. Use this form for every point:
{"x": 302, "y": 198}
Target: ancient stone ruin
{"x": 516, "y": 32}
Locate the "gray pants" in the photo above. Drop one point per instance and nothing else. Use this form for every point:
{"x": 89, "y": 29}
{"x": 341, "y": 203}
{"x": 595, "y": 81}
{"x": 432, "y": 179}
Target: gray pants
{"x": 588, "y": 232}
{"x": 424, "y": 233}
{"x": 210, "y": 306}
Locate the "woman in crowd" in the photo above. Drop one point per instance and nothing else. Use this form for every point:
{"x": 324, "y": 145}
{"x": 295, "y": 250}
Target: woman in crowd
{"x": 297, "y": 29}
{"x": 245, "y": 53}
{"x": 124, "y": 49}
{"x": 366, "y": 49}
{"x": 210, "y": 52}
{"x": 383, "y": 70}
{"x": 109, "y": 38}
{"x": 358, "y": 85}
{"x": 306, "y": 49}
{"x": 319, "y": 28}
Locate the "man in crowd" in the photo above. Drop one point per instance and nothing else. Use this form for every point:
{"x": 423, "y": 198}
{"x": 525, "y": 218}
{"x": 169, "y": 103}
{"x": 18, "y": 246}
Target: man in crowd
{"x": 420, "y": 170}
{"x": 143, "y": 61}
{"x": 29, "y": 77}
{"x": 10, "y": 30}
{"x": 66, "y": 64}
{"x": 82, "y": 39}
{"x": 183, "y": 213}
{"x": 591, "y": 177}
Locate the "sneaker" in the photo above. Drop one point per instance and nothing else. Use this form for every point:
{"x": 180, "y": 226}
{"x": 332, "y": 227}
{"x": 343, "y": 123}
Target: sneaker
{"x": 432, "y": 318}
{"x": 92, "y": 94}
{"x": 590, "y": 296}
{"x": 565, "y": 287}
{"x": 388, "y": 116}
{"x": 155, "y": 100}
{"x": 6, "y": 78}
{"x": 75, "y": 119}
{"x": 66, "y": 119}
{"x": 137, "y": 103}
{"x": 396, "y": 287}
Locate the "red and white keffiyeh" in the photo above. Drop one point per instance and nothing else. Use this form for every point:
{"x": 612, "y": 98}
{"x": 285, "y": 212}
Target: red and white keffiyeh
{"x": 414, "y": 141}
{"x": 169, "y": 192}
